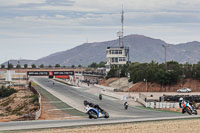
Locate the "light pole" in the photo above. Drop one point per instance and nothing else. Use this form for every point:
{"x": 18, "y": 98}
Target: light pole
{"x": 165, "y": 47}
{"x": 145, "y": 80}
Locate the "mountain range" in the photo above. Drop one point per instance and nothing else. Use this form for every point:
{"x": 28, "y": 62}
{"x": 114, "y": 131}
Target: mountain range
{"x": 142, "y": 49}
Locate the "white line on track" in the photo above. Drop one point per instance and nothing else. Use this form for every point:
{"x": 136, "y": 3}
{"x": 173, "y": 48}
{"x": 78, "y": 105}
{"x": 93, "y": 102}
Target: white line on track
{"x": 53, "y": 102}
{"x": 60, "y": 109}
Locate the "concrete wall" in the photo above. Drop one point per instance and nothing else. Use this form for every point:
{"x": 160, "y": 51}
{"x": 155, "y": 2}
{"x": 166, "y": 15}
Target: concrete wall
{"x": 37, "y": 113}
{"x": 104, "y": 87}
{"x": 114, "y": 95}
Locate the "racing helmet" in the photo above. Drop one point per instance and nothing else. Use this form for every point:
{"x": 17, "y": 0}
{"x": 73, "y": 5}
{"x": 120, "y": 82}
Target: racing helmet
{"x": 85, "y": 102}
{"x": 180, "y": 99}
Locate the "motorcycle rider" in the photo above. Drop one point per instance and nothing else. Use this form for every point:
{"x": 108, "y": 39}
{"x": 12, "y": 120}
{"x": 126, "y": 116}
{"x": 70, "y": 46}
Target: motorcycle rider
{"x": 126, "y": 105}
{"x": 183, "y": 102}
{"x": 96, "y": 106}
{"x": 100, "y": 97}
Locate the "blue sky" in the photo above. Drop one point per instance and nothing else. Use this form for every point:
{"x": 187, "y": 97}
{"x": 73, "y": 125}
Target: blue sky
{"x": 32, "y": 29}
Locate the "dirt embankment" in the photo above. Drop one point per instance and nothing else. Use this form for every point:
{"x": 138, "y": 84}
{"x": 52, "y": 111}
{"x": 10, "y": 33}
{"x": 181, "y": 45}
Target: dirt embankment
{"x": 107, "y": 82}
{"x": 194, "y": 85}
{"x": 19, "y": 106}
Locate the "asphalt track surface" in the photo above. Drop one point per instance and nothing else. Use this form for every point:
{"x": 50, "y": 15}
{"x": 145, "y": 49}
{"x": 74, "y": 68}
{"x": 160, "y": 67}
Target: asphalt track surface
{"x": 113, "y": 106}
{"x": 76, "y": 96}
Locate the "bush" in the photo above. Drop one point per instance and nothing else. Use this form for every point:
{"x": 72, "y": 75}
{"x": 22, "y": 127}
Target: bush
{"x": 35, "y": 98}
{"x": 112, "y": 73}
{"x": 5, "y": 92}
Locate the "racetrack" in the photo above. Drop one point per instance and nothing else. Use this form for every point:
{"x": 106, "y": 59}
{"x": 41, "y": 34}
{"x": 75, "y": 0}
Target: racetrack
{"x": 75, "y": 97}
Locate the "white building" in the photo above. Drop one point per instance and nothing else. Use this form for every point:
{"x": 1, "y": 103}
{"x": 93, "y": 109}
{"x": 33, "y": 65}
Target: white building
{"x": 116, "y": 56}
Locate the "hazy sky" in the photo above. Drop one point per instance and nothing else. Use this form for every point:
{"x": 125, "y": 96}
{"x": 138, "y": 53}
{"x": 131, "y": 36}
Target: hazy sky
{"x": 32, "y": 29}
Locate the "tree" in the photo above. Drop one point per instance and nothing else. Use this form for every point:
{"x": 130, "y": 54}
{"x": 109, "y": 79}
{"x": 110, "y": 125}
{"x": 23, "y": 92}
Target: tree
{"x": 102, "y": 64}
{"x": 33, "y": 66}
{"x": 2, "y": 66}
{"x": 25, "y": 65}
{"x": 50, "y": 66}
{"x": 18, "y": 66}
{"x": 10, "y": 65}
{"x": 79, "y": 66}
{"x": 112, "y": 73}
{"x": 57, "y": 65}
{"x": 94, "y": 65}
{"x": 73, "y": 66}
{"x": 42, "y": 66}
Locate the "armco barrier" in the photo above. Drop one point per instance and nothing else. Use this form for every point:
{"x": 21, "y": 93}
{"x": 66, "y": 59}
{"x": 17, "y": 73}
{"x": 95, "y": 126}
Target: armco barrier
{"x": 114, "y": 95}
{"x": 104, "y": 87}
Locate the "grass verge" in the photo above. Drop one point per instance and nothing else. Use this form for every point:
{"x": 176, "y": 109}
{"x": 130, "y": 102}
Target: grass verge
{"x": 159, "y": 110}
{"x": 57, "y": 102}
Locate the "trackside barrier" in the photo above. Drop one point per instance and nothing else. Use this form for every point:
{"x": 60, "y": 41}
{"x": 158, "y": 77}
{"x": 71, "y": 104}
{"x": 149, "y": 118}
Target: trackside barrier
{"x": 166, "y": 105}
{"x": 37, "y": 113}
{"x": 160, "y": 105}
{"x": 148, "y": 105}
{"x": 114, "y": 95}
{"x": 104, "y": 87}
{"x": 151, "y": 105}
{"x": 171, "y": 105}
{"x": 157, "y": 105}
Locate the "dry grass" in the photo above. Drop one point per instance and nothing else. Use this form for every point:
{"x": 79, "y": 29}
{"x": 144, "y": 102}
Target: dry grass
{"x": 175, "y": 126}
{"x": 18, "y": 106}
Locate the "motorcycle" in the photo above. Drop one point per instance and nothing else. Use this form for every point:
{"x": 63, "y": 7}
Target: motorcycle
{"x": 94, "y": 111}
{"x": 189, "y": 108}
{"x": 125, "y": 105}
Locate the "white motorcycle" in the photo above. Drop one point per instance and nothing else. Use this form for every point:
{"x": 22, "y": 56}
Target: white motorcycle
{"x": 94, "y": 111}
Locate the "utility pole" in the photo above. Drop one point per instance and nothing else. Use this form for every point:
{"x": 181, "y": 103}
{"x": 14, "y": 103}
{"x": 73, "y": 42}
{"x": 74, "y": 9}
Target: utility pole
{"x": 165, "y": 47}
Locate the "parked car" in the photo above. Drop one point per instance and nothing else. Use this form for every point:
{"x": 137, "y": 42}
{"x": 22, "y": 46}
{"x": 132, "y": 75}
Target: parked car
{"x": 184, "y": 90}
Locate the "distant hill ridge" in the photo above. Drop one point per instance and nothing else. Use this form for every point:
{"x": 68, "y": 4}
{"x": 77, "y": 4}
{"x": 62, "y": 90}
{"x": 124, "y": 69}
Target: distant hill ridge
{"x": 142, "y": 49}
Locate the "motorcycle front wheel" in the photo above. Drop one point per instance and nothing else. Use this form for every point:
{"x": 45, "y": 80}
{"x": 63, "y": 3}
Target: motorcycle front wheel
{"x": 92, "y": 114}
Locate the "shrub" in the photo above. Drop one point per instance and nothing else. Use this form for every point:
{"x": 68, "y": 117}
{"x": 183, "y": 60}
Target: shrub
{"x": 35, "y": 98}
{"x": 5, "y": 92}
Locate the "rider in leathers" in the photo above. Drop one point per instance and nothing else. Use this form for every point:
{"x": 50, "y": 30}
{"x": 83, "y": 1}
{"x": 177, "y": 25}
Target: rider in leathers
{"x": 183, "y": 102}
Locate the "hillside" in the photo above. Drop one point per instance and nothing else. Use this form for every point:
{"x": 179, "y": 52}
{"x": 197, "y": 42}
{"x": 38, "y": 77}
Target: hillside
{"x": 123, "y": 85}
{"x": 194, "y": 85}
{"x": 142, "y": 49}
